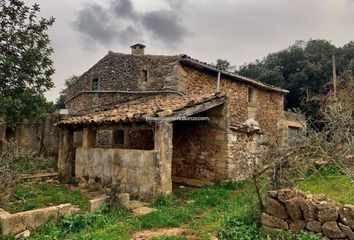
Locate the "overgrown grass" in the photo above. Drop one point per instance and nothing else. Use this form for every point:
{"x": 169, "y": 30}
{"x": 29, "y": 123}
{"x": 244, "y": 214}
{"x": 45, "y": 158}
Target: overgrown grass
{"x": 35, "y": 195}
{"x": 35, "y": 164}
{"x": 225, "y": 210}
{"x": 331, "y": 181}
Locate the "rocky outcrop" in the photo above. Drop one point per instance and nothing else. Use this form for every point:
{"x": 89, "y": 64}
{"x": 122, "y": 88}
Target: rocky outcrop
{"x": 296, "y": 211}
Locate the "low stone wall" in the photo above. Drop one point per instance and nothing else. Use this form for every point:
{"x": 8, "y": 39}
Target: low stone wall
{"x": 29, "y": 220}
{"x": 135, "y": 170}
{"x": 296, "y": 211}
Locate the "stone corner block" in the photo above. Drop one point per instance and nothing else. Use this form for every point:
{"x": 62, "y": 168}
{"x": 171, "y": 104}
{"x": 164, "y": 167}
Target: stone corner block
{"x": 96, "y": 204}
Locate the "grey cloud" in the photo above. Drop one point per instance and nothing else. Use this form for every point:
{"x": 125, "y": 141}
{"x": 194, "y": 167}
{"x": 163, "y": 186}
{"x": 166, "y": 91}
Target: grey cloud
{"x": 123, "y": 8}
{"x": 120, "y": 23}
{"x": 164, "y": 25}
{"x": 93, "y": 23}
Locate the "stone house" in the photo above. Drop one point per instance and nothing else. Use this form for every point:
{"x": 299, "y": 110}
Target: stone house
{"x": 144, "y": 121}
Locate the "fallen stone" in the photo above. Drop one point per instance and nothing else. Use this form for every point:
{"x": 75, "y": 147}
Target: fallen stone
{"x": 314, "y": 226}
{"x": 137, "y": 204}
{"x": 64, "y": 209}
{"x": 23, "y": 235}
{"x": 293, "y": 208}
{"x": 142, "y": 211}
{"x": 274, "y": 222}
{"x": 318, "y": 198}
{"x": 149, "y": 234}
{"x": 22, "y": 221}
{"x": 273, "y": 194}
{"x": 96, "y": 204}
{"x": 276, "y": 208}
{"x": 346, "y": 214}
{"x": 309, "y": 209}
{"x": 3, "y": 213}
{"x": 124, "y": 199}
{"x": 286, "y": 194}
{"x": 347, "y": 230}
{"x": 297, "y": 226}
{"x": 327, "y": 211}
{"x": 331, "y": 230}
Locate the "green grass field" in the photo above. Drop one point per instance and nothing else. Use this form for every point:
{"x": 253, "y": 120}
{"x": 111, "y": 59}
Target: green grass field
{"x": 33, "y": 195}
{"x": 330, "y": 181}
{"x": 225, "y": 210}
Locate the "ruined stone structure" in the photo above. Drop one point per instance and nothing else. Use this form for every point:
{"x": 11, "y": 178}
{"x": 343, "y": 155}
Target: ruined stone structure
{"x": 296, "y": 211}
{"x": 114, "y": 99}
{"x": 34, "y": 137}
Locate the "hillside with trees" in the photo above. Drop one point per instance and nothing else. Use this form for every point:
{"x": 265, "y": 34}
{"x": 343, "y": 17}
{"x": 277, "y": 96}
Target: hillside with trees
{"x": 304, "y": 68}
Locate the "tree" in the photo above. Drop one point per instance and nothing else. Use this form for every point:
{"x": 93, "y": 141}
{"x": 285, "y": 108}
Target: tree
{"x": 333, "y": 145}
{"x": 305, "y": 69}
{"x": 60, "y": 103}
{"x": 223, "y": 65}
{"x": 26, "y": 66}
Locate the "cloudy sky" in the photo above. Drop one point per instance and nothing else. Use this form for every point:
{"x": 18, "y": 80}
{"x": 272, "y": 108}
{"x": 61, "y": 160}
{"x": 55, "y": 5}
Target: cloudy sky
{"x": 237, "y": 30}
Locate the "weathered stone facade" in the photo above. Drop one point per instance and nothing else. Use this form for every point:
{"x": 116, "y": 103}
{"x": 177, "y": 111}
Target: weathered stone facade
{"x": 36, "y": 137}
{"x": 200, "y": 147}
{"x": 122, "y": 72}
{"x": 296, "y": 211}
{"x": 208, "y": 150}
{"x": 268, "y": 105}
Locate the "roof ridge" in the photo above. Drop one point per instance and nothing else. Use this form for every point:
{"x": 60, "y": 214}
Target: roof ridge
{"x": 185, "y": 58}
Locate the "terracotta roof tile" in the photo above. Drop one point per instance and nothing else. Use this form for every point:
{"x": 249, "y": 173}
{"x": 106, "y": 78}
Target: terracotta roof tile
{"x": 139, "y": 110}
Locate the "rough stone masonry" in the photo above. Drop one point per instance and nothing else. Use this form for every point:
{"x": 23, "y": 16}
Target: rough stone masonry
{"x": 296, "y": 211}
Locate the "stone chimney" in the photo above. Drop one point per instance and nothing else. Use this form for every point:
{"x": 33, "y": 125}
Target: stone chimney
{"x": 137, "y": 49}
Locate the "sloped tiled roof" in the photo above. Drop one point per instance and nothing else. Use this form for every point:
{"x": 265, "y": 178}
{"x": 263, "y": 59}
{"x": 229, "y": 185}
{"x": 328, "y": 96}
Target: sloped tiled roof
{"x": 203, "y": 65}
{"x": 139, "y": 110}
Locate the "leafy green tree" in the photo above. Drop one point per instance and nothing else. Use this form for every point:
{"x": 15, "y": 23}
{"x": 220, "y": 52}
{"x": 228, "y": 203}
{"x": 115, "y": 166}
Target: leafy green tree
{"x": 223, "y": 65}
{"x": 305, "y": 69}
{"x": 26, "y": 66}
{"x": 60, "y": 103}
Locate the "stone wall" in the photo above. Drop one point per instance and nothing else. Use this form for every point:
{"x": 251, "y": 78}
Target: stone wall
{"x": 296, "y": 211}
{"x": 268, "y": 107}
{"x": 200, "y": 147}
{"x": 117, "y": 71}
{"x": 240, "y": 149}
{"x": 30, "y": 220}
{"x": 37, "y": 136}
{"x": 136, "y": 171}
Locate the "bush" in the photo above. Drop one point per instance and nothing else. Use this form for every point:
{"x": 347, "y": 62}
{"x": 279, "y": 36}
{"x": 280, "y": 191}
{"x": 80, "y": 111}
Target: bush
{"x": 13, "y": 162}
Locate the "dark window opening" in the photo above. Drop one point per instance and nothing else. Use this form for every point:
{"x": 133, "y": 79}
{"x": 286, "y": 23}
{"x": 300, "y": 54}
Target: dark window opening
{"x": 251, "y": 95}
{"x": 95, "y": 84}
{"x": 144, "y": 75}
{"x": 118, "y": 137}
{"x": 140, "y": 139}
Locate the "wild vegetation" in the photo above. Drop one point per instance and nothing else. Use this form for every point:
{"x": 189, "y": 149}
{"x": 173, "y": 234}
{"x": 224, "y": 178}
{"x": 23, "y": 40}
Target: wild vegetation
{"x": 34, "y": 195}
{"x": 15, "y": 162}
{"x": 304, "y": 68}
{"x": 225, "y": 210}
{"x": 26, "y": 66}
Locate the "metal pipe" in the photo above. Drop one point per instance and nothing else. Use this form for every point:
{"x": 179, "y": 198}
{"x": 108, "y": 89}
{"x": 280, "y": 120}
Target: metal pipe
{"x": 218, "y": 83}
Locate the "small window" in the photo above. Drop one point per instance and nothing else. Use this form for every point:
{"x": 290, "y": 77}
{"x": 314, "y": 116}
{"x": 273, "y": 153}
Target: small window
{"x": 144, "y": 75}
{"x": 95, "y": 84}
{"x": 292, "y": 135}
{"x": 118, "y": 137}
{"x": 251, "y": 95}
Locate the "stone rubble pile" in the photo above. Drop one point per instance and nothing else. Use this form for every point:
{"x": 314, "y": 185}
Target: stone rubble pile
{"x": 296, "y": 211}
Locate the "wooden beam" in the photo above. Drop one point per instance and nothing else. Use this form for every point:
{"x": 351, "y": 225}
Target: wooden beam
{"x": 199, "y": 108}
